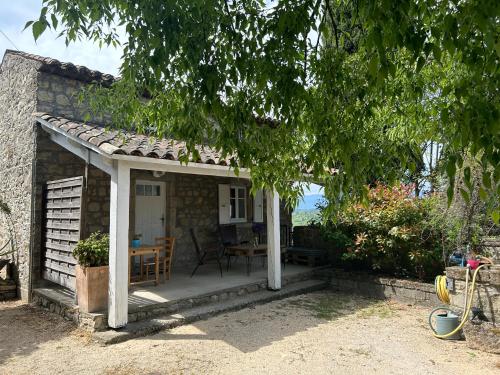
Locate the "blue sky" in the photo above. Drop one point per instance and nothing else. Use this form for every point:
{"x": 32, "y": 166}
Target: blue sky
{"x": 12, "y": 20}
{"x": 14, "y": 16}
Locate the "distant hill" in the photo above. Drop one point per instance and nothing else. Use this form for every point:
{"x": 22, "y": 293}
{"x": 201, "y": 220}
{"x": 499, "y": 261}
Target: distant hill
{"x": 309, "y": 202}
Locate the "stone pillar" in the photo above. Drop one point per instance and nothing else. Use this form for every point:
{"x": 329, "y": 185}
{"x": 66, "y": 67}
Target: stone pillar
{"x": 486, "y": 294}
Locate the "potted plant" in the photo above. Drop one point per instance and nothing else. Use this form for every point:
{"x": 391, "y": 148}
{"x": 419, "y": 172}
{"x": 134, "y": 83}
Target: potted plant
{"x": 92, "y": 272}
{"x": 136, "y": 240}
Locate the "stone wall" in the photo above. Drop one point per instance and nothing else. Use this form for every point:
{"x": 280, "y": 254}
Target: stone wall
{"x": 309, "y": 237}
{"x": 405, "y": 291}
{"x": 18, "y": 80}
{"x": 486, "y": 295}
{"x": 58, "y": 96}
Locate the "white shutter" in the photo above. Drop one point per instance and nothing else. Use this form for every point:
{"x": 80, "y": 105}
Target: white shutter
{"x": 258, "y": 207}
{"x": 224, "y": 205}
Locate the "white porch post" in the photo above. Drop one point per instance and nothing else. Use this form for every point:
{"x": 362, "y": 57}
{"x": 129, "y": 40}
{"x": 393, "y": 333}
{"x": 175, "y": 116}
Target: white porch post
{"x": 118, "y": 245}
{"x": 273, "y": 240}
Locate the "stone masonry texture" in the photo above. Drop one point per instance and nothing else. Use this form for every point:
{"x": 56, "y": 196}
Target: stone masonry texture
{"x": 18, "y": 83}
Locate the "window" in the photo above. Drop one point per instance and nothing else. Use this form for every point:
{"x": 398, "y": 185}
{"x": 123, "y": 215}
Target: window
{"x": 238, "y": 203}
{"x": 147, "y": 190}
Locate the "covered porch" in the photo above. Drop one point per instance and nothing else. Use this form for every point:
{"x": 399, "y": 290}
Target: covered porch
{"x": 125, "y": 159}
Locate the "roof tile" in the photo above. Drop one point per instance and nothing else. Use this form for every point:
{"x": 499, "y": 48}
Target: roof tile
{"x": 114, "y": 142}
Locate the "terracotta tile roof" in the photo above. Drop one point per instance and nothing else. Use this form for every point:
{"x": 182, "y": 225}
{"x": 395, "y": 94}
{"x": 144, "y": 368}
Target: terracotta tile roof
{"x": 69, "y": 70}
{"x": 113, "y": 142}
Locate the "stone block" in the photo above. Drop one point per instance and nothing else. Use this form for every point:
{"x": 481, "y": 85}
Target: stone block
{"x": 62, "y": 100}
{"x": 252, "y": 288}
{"x": 456, "y": 272}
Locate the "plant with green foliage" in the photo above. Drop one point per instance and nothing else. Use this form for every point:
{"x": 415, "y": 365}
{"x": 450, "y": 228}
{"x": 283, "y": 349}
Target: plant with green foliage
{"x": 394, "y": 233}
{"x": 93, "y": 251}
{"x": 296, "y": 85}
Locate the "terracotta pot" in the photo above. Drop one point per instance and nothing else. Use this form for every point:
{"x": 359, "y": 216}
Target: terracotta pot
{"x": 92, "y": 288}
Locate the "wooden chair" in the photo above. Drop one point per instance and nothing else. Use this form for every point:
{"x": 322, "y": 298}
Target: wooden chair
{"x": 206, "y": 253}
{"x": 166, "y": 259}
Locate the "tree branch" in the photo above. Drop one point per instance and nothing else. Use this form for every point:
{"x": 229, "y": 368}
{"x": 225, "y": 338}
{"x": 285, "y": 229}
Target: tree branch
{"x": 335, "y": 30}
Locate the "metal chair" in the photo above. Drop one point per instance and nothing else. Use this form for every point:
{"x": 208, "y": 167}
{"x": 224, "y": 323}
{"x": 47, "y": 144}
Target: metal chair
{"x": 206, "y": 253}
{"x": 229, "y": 236}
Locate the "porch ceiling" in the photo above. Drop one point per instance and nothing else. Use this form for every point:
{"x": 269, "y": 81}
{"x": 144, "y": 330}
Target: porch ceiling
{"x": 114, "y": 142}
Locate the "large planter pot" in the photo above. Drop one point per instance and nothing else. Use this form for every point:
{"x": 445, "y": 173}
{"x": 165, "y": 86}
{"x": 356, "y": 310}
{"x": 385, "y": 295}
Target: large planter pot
{"x": 92, "y": 288}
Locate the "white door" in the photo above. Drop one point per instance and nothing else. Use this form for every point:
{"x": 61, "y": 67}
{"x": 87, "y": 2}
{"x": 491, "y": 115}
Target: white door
{"x": 150, "y": 208}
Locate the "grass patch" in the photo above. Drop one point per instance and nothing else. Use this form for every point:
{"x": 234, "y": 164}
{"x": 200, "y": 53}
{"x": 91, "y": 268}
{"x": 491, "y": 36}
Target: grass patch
{"x": 380, "y": 309}
{"x": 326, "y": 307}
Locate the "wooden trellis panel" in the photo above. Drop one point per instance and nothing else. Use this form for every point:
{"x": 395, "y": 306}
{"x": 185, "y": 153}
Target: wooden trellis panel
{"x": 62, "y": 229}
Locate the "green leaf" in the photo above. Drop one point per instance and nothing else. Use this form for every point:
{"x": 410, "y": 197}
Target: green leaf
{"x": 467, "y": 178}
{"x": 54, "y": 20}
{"x": 451, "y": 168}
{"x": 465, "y": 195}
{"x": 420, "y": 64}
{"x": 495, "y": 215}
{"x": 38, "y": 28}
{"x": 373, "y": 66}
{"x": 487, "y": 180}
{"x": 28, "y": 24}
{"x": 482, "y": 194}
{"x": 449, "y": 194}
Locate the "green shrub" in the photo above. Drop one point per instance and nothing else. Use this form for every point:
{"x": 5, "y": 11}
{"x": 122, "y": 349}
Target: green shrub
{"x": 93, "y": 251}
{"x": 393, "y": 233}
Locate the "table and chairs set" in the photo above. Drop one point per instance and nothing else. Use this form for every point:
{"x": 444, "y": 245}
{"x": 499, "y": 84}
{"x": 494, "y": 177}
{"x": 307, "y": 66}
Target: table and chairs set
{"x": 156, "y": 259}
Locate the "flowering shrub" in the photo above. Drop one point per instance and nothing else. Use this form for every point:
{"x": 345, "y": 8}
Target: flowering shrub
{"x": 393, "y": 233}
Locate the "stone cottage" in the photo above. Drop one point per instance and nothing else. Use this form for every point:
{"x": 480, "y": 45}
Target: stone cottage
{"x": 43, "y": 138}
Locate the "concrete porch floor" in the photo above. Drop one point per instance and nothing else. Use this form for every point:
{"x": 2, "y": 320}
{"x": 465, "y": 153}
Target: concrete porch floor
{"x": 182, "y": 293}
{"x": 206, "y": 280}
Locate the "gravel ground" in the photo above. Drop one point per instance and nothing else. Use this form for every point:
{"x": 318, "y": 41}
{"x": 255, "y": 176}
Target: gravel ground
{"x": 320, "y": 332}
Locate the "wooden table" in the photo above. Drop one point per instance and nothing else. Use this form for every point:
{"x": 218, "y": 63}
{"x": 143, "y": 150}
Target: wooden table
{"x": 141, "y": 251}
{"x": 248, "y": 251}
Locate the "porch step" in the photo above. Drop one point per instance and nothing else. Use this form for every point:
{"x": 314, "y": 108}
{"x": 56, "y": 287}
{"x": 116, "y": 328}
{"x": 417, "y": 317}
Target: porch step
{"x": 154, "y": 325}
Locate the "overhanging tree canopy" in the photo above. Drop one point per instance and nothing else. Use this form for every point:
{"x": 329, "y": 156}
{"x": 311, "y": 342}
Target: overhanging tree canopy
{"x": 300, "y": 85}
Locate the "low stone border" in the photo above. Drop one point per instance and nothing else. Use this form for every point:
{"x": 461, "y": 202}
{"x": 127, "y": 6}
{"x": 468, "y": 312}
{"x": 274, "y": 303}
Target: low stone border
{"x": 55, "y": 300}
{"x": 154, "y": 325}
{"x": 406, "y": 291}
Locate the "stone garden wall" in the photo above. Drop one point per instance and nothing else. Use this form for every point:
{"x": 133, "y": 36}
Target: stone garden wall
{"x": 405, "y": 291}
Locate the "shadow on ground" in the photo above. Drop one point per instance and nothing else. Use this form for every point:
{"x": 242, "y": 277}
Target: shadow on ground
{"x": 253, "y": 328}
{"x": 24, "y": 328}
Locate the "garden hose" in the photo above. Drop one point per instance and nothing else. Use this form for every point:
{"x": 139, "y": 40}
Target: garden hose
{"x": 441, "y": 290}
{"x": 444, "y": 296}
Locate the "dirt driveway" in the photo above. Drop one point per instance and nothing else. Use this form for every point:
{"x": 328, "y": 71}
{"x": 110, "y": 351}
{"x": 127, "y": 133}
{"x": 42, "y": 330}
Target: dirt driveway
{"x": 316, "y": 333}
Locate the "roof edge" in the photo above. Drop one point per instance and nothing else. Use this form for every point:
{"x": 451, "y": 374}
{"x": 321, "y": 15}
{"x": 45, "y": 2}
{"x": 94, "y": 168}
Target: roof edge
{"x": 65, "y": 69}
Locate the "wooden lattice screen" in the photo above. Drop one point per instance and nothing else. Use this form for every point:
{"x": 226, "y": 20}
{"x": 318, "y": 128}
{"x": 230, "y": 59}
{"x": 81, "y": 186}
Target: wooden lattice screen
{"x": 63, "y": 201}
